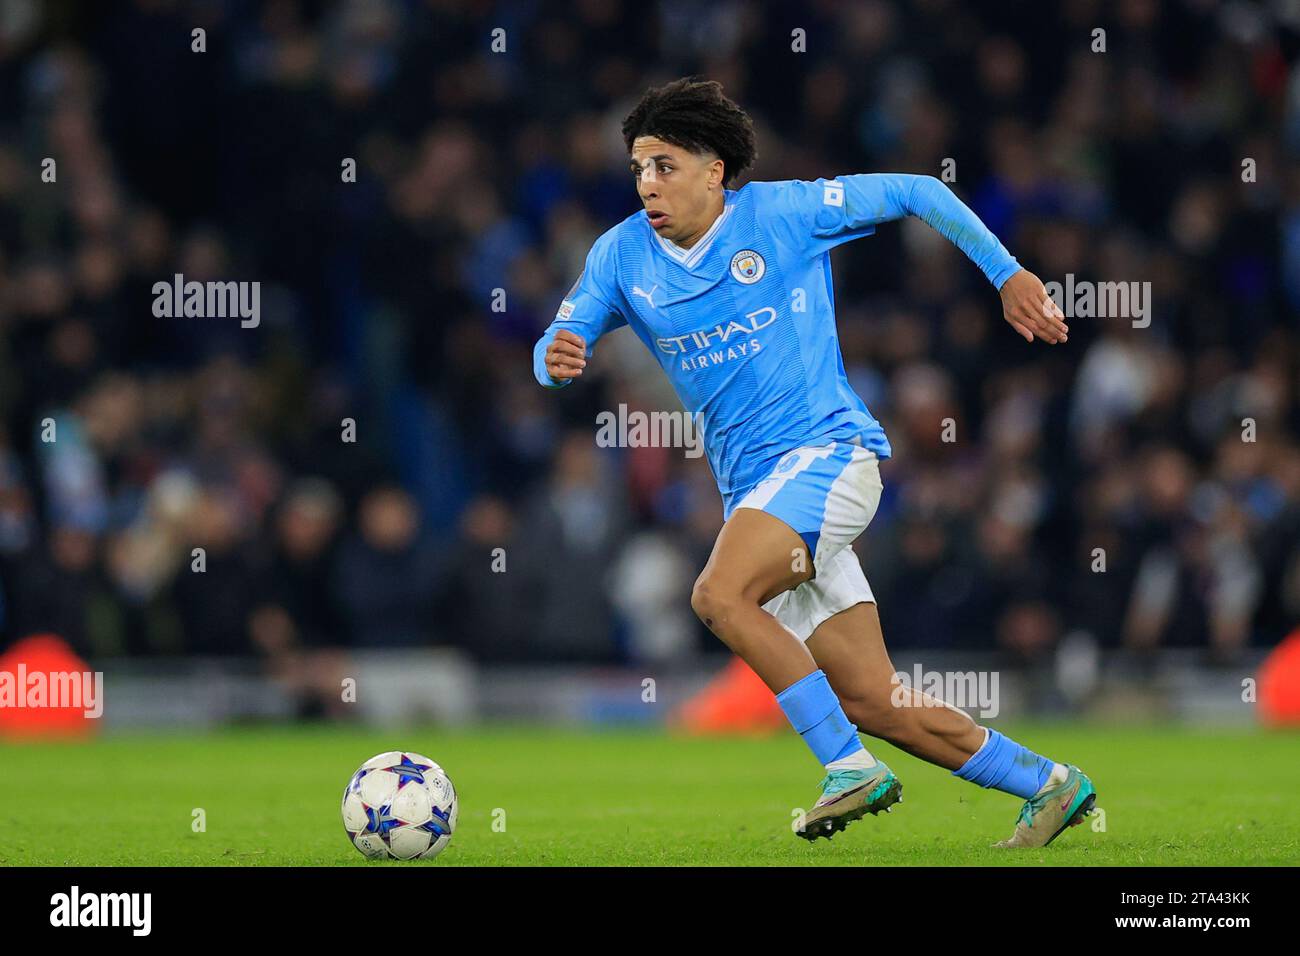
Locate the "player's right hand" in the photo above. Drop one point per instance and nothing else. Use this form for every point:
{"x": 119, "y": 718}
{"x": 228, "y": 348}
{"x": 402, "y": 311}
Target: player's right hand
{"x": 566, "y": 356}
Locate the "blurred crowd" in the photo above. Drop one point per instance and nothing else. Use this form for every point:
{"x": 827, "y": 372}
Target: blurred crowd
{"x": 374, "y": 465}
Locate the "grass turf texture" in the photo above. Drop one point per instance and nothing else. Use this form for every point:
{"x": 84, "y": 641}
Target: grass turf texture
{"x": 1171, "y": 797}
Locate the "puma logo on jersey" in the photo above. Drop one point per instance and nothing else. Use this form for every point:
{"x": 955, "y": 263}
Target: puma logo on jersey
{"x": 648, "y": 296}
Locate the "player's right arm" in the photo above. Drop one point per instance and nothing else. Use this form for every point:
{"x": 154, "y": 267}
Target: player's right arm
{"x": 587, "y": 312}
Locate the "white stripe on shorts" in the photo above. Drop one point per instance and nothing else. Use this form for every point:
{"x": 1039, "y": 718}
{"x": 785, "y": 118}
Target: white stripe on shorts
{"x": 766, "y": 489}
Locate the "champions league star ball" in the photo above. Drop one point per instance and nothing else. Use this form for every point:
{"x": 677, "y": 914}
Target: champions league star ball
{"x": 399, "y": 805}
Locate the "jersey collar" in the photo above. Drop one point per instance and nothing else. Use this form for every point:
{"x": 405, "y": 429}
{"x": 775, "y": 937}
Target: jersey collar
{"x": 689, "y": 257}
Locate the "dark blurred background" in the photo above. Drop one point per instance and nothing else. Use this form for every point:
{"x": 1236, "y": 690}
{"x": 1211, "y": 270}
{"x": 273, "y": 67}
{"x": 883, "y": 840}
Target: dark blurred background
{"x": 479, "y": 171}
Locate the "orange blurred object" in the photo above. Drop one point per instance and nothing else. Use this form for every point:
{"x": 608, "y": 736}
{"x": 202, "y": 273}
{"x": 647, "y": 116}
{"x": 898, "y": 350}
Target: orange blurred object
{"x": 735, "y": 702}
{"x": 25, "y": 670}
{"x": 1279, "y": 683}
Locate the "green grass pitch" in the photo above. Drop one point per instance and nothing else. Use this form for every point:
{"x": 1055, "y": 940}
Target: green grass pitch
{"x": 636, "y": 797}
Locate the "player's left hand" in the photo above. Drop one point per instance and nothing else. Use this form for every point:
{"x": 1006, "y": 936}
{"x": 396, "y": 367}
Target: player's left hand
{"x": 1030, "y": 310}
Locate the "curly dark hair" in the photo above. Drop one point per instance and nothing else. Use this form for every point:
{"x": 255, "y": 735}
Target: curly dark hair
{"x": 696, "y": 115}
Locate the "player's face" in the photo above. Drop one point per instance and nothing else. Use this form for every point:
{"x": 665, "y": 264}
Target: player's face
{"x": 679, "y": 189}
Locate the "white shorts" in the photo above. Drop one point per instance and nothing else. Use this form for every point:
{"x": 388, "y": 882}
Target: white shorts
{"x": 828, "y": 494}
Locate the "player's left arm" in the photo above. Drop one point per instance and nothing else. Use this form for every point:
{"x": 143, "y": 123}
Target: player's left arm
{"x": 1025, "y": 302}
{"x": 836, "y": 210}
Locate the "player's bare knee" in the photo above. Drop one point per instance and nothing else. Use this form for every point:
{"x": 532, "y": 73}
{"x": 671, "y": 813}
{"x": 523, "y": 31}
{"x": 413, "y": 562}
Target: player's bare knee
{"x": 712, "y": 602}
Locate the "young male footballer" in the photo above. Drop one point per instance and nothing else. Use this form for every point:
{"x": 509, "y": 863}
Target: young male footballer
{"x": 731, "y": 291}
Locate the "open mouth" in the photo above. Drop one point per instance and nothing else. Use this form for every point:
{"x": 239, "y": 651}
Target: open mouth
{"x": 657, "y": 218}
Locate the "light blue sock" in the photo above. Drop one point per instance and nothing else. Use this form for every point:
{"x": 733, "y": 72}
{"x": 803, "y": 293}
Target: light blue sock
{"x": 1007, "y": 766}
{"x": 815, "y": 712}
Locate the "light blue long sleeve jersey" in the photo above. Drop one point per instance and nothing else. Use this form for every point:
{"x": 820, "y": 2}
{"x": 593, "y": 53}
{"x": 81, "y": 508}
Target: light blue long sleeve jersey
{"x": 743, "y": 322}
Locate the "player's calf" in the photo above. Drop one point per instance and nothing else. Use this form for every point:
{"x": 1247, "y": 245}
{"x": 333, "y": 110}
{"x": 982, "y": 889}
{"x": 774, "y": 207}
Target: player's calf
{"x": 1058, "y": 796}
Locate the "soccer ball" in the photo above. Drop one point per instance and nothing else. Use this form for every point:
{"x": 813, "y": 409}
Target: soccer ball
{"x": 400, "y": 805}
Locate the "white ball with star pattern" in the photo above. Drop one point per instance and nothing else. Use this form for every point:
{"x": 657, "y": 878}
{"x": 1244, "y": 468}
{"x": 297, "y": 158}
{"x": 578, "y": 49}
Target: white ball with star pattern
{"x": 400, "y": 805}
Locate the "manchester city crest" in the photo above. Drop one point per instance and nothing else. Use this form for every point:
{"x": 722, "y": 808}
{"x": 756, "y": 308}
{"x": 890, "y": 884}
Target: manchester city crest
{"x": 747, "y": 266}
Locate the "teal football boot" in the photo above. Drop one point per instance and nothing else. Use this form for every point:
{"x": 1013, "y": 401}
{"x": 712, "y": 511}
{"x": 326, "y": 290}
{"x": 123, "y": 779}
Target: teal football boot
{"x": 849, "y": 795}
{"x": 1047, "y": 814}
